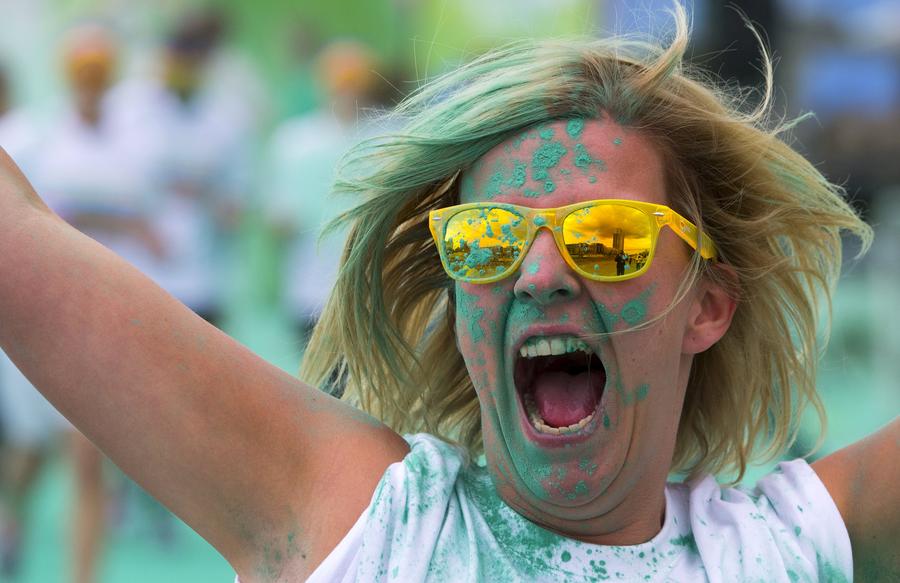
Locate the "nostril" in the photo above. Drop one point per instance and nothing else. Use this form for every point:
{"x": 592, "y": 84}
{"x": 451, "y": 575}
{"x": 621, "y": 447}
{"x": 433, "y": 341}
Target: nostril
{"x": 544, "y": 294}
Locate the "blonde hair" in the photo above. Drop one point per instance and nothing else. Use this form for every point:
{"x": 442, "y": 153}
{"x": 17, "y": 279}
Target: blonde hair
{"x": 388, "y": 330}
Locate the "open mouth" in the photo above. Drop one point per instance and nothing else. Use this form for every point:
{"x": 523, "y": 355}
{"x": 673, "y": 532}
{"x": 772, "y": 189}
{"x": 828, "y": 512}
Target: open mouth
{"x": 560, "y": 381}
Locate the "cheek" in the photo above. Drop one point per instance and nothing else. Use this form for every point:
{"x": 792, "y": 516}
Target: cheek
{"x": 481, "y": 312}
{"x": 630, "y": 307}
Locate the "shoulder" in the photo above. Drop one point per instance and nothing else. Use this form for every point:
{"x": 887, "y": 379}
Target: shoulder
{"x": 864, "y": 481}
{"x": 409, "y": 520}
{"x": 787, "y": 527}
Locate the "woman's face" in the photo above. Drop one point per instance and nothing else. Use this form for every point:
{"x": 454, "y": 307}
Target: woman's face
{"x": 589, "y": 480}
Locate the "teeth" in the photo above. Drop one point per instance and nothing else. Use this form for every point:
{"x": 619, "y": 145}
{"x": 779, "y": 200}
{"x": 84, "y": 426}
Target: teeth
{"x": 543, "y": 347}
{"x": 538, "y": 423}
{"x": 552, "y": 346}
{"x": 558, "y": 346}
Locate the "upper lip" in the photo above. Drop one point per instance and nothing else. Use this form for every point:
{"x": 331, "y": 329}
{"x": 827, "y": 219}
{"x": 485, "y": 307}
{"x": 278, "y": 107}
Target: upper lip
{"x": 544, "y": 331}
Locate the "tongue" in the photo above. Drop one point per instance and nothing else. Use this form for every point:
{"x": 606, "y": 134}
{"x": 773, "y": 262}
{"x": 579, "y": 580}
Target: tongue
{"x": 563, "y": 399}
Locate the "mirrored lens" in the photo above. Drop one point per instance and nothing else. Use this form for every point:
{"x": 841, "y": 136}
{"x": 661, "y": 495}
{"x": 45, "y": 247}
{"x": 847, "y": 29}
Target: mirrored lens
{"x": 608, "y": 240}
{"x": 480, "y": 243}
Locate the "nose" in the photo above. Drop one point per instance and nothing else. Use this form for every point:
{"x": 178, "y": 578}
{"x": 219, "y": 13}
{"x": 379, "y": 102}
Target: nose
{"x": 544, "y": 276}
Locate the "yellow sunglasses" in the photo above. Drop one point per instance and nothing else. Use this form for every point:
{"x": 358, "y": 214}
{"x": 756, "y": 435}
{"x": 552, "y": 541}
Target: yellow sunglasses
{"x": 602, "y": 240}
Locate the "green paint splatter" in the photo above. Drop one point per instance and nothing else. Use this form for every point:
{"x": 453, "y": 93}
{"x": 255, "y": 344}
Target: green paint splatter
{"x": 587, "y": 466}
{"x": 582, "y": 158}
{"x": 574, "y": 128}
{"x": 636, "y": 310}
{"x": 592, "y": 179}
{"x": 529, "y": 193}
{"x": 469, "y": 312}
{"x": 607, "y": 316}
{"x": 566, "y": 556}
{"x": 606, "y": 420}
{"x": 495, "y": 183}
{"x": 533, "y": 268}
{"x": 546, "y": 134}
{"x": 549, "y": 186}
{"x": 617, "y": 141}
{"x": 687, "y": 541}
{"x": 642, "y": 391}
{"x": 540, "y": 221}
{"x": 547, "y": 156}
{"x": 519, "y": 175}
{"x": 797, "y": 530}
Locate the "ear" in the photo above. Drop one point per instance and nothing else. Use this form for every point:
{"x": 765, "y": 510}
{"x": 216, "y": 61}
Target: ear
{"x": 710, "y": 315}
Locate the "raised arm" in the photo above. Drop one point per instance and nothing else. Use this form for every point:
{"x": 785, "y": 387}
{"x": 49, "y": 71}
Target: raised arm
{"x": 864, "y": 481}
{"x": 270, "y": 471}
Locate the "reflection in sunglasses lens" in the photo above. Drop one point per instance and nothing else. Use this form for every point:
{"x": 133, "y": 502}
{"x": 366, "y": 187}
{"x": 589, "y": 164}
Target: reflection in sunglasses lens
{"x": 481, "y": 243}
{"x": 608, "y": 240}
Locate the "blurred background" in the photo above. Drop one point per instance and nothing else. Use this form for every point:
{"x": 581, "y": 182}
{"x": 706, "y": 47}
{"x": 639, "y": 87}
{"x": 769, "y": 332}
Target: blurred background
{"x": 198, "y": 140}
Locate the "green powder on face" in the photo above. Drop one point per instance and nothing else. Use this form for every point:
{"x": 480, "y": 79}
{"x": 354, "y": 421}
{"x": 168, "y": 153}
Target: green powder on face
{"x": 635, "y": 310}
{"x": 607, "y": 316}
{"x": 630, "y": 397}
{"x": 519, "y": 175}
{"x": 533, "y": 268}
{"x": 529, "y": 193}
{"x": 592, "y": 179}
{"x": 587, "y": 466}
{"x": 574, "y": 128}
{"x": 642, "y": 391}
{"x": 547, "y": 156}
{"x": 617, "y": 141}
{"x": 468, "y": 310}
{"x": 495, "y": 183}
{"x": 582, "y": 158}
{"x": 606, "y": 420}
{"x": 547, "y": 134}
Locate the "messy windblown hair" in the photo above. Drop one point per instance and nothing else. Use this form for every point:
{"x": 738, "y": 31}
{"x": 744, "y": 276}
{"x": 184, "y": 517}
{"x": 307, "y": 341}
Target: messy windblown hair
{"x": 388, "y": 328}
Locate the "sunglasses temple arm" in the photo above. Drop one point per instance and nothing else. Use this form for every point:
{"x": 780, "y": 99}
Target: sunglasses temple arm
{"x": 688, "y": 233}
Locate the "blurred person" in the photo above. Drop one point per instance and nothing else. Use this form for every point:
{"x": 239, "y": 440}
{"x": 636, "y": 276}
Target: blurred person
{"x": 28, "y": 423}
{"x": 472, "y": 316}
{"x": 89, "y": 166}
{"x": 301, "y": 160}
{"x": 198, "y": 138}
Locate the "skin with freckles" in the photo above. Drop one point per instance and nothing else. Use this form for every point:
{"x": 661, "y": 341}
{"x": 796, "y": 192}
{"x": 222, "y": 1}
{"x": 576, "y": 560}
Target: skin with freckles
{"x": 605, "y": 484}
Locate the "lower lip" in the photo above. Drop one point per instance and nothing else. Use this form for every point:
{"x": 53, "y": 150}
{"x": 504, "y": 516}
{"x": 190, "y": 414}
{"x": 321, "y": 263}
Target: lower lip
{"x": 550, "y": 440}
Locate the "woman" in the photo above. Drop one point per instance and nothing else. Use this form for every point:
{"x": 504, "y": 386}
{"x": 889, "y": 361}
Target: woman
{"x": 586, "y": 388}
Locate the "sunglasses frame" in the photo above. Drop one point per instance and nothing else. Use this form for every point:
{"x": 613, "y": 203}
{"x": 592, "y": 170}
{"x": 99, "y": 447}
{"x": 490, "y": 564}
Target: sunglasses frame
{"x": 552, "y": 219}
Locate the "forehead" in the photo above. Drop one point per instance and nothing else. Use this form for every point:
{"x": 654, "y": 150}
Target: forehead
{"x": 565, "y": 162}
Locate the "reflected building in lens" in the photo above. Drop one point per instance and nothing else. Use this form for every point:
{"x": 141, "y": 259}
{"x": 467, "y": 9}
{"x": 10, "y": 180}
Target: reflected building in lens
{"x": 618, "y": 242}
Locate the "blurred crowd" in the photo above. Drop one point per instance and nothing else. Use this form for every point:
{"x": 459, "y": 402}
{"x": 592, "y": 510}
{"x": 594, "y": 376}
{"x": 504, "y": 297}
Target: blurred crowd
{"x": 163, "y": 170}
{"x": 167, "y": 166}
